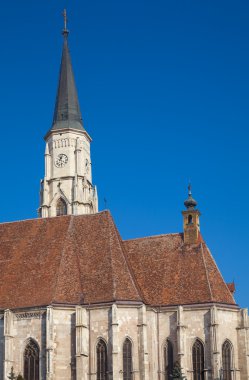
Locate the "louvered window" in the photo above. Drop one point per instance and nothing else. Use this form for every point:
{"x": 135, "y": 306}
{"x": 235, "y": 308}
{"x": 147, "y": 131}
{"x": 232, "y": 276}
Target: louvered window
{"x": 198, "y": 360}
{"x": 31, "y": 361}
{"x": 168, "y": 359}
{"x": 227, "y": 360}
{"x": 61, "y": 207}
{"x": 127, "y": 360}
{"x": 101, "y": 360}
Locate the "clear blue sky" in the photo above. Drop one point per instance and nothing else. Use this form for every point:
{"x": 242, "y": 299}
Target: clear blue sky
{"x": 164, "y": 92}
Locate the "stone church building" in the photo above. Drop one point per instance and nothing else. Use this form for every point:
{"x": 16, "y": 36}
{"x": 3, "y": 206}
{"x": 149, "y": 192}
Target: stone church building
{"x": 79, "y": 303}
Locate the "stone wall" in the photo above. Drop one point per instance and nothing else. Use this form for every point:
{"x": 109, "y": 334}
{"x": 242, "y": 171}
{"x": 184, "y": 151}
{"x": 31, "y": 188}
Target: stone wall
{"x": 68, "y": 337}
{"x": 70, "y": 179}
{"x": 64, "y": 348}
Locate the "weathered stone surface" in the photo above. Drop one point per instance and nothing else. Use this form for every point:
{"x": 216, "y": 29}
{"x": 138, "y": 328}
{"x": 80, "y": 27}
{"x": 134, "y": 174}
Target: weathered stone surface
{"x": 71, "y": 336}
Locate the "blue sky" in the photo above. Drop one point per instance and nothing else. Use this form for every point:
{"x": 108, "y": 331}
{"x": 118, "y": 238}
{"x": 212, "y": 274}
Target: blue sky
{"x": 164, "y": 93}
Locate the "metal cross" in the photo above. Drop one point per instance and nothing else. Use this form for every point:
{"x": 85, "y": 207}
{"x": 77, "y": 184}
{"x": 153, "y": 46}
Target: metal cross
{"x": 65, "y": 19}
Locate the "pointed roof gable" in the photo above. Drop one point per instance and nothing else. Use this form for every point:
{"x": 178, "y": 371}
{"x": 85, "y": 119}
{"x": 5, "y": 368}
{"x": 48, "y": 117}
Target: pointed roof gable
{"x": 67, "y": 109}
{"x": 83, "y": 260}
{"x": 63, "y": 260}
{"x": 169, "y": 272}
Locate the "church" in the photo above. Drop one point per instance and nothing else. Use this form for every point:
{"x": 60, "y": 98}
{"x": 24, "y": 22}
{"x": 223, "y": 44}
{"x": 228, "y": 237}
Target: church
{"x": 77, "y": 302}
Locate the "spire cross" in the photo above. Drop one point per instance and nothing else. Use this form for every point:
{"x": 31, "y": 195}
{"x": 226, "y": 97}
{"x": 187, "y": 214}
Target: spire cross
{"x": 65, "y": 19}
{"x": 65, "y": 30}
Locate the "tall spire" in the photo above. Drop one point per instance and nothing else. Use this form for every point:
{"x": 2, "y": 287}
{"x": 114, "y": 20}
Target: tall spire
{"x": 67, "y": 110}
{"x": 67, "y": 186}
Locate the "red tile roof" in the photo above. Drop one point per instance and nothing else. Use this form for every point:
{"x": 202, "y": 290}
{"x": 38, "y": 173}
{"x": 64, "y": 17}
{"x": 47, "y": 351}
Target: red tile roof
{"x": 169, "y": 272}
{"x": 68, "y": 259}
{"x": 82, "y": 259}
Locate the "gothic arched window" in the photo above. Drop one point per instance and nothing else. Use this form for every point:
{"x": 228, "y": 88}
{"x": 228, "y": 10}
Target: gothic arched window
{"x": 101, "y": 352}
{"x": 227, "y": 351}
{"x": 168, "y": 359}
{"x": 198, "y": 360}
{"x": 31, "y": 361}
{"x": 127, "y": 360}
{"x": 61, "y": 207}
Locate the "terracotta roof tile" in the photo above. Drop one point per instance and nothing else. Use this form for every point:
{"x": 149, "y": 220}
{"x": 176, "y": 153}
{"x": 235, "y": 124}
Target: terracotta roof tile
{"x": 69, "y": 259}
{"x": 82, "y": 259}
{"x": 169, "y": 272}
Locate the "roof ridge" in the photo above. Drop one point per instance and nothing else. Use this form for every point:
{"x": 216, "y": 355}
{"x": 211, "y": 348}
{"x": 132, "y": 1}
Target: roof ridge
{"x": 61, "y": 257}
{"x": 55, "y": 217}
{"x": 130, "y": 270}
{"x": 75, "y": 251}
{"x": 224, "y": 282}
{"x": 111, "y": 261}
{"x": 153, "y": 236}
{"x": 206, "y": 271}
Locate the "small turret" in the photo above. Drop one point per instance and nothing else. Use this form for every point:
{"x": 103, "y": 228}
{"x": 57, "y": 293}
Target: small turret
{"x": 191, "y": 225}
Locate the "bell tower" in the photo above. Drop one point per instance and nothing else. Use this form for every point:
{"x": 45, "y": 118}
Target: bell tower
{"x": 191, "y": 224}
{"x": 67, "y": 185}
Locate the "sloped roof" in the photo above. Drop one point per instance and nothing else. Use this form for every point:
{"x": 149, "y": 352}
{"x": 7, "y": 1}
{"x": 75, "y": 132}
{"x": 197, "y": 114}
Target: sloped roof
{"x": 82, "y": 259}
{"x": 67, "y": 109}
{"x": 169, "y": 272}
{"x": 68, "y": 259}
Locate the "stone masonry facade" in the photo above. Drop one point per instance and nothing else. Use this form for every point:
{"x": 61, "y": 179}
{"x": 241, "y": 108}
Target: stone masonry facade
{"x": 67, "y": 338}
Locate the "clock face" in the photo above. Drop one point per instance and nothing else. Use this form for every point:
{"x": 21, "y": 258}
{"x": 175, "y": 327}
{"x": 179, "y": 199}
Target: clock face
{"x": 61, "y": 160}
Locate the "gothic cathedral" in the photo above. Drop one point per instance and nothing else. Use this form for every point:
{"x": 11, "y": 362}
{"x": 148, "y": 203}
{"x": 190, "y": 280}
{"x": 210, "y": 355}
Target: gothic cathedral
{"x": 77, "y": 302}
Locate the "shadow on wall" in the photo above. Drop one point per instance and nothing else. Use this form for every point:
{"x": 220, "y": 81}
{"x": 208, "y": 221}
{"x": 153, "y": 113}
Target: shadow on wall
{"x": 43, "y": 346}
{"x": 73, "y": 346}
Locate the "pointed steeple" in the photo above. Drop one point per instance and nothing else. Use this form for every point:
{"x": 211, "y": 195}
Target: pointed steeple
{"x": 67, "y": 186}
{"x": 67, "y": 109}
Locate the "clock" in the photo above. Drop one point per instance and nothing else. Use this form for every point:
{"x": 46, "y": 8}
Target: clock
{"x": 61, "y": 160}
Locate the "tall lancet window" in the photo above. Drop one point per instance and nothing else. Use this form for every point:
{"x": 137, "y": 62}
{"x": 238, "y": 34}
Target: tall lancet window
{"x": 61, "y": 207}
{"x": 198, "y": 360}
{"x": 127, "y": 360}
{"x": 101, "y": 360}
{"x": 31, "y": 361}
{"x": 227, "y": 352}
{"x": 168, "y": 359}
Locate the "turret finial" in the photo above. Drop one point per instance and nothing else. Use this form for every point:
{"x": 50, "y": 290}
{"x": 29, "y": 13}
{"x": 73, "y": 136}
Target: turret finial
{"x": 189, "y": 189}
{"x": 190, "y": 203}
{"x": 65, "y": 31}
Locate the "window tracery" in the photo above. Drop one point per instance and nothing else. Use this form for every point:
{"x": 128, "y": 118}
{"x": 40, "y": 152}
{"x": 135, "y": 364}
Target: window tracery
{"x": 61, "y": 207}
{"x": 227, "y": 360}
{"x": 101, "y": 360}
{"x": 198, "y": 360}
{"x": 127, "y": 360}
{"x": 31, "y": 361}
